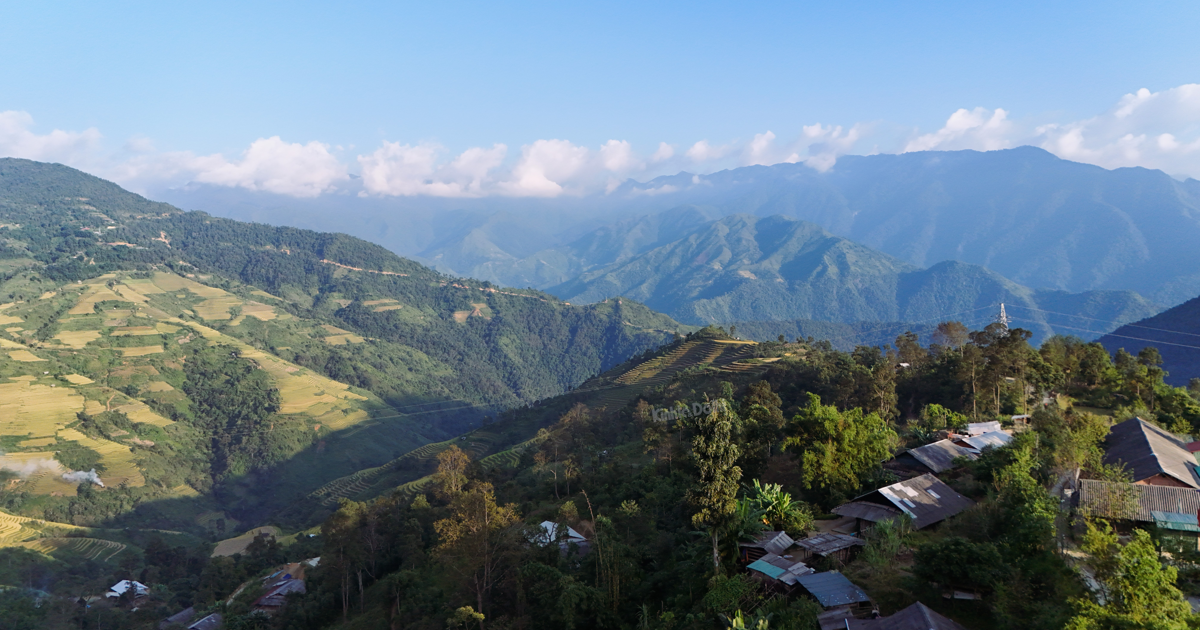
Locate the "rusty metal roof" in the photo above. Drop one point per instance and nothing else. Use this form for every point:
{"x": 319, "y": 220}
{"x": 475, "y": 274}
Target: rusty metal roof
{"x": 1134, "y": 502}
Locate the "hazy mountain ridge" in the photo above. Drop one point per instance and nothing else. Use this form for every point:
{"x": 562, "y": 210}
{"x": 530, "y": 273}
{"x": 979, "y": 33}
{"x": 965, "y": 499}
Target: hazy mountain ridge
{"x": 1023, "y": 213}
{"x": 744, "y": 268}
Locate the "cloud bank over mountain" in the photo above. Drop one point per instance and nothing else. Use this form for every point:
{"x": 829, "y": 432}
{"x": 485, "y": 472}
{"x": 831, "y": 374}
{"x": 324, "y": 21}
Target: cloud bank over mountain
{"x": 1159, "y": 130}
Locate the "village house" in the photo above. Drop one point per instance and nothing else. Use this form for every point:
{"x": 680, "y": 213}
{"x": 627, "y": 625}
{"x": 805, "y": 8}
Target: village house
{"x": 932, "y": 458}
{"x": 1152, "y": 455}
{"x": 1128, "y": 505}
{"x": 828, "y": 545}
{"x": 915, "y": 617}
{"x": 834, "y": 592}
{"x": 925, "y": 499}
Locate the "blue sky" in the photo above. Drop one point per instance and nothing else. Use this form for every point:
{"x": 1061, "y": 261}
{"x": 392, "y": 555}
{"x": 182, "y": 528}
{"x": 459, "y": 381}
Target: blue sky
{"x": 160, "y": 93}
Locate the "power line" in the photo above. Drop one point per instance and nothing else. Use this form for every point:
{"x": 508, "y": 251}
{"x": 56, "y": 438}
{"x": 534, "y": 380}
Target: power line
{"x": 1109, "y": 321}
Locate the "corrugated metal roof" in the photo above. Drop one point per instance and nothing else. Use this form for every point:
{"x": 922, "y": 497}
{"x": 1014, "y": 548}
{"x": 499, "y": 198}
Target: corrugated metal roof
{"x": 979, "y": 428}
{"x": 782, "y": 568}
{"x": 915, "y": 617}
{"x": 771, "y": 542}
{"x": 1134, "y": 502}
{"x": 832, "y": 589}
{"x": 995, "y": 439}
{"x": 767, "y": 568}
{"x": 1147, "y": 450}
{"x": 827, "y": 543}
{"x": 867, "y": 511}
{"x": 939, "y": 456}
{"x": 1176, "y": 521}
{"x": 211, "y": 622}
{"x": 925, "y": 499}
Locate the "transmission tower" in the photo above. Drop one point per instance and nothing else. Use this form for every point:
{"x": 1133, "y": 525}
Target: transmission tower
{"x": 1002, "y": 319}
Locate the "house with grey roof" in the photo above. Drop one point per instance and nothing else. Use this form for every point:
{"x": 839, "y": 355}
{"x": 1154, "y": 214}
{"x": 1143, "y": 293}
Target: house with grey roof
{"x": 1152, "y": 455}
{"x": 915, "y": 617}
{"x": 936, "y": 457}
{"x": 925, "y": 499}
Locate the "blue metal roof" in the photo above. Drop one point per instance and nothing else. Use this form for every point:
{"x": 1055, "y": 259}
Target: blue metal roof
{"x": 769, "y": 569}
{"x": 1176, "y": 521}
{"x": 832, "y": 589}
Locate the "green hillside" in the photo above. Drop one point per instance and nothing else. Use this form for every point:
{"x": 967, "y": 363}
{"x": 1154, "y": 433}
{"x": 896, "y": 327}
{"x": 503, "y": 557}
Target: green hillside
{"x": 123, "y": 321}
{"x": 745, "y": 268}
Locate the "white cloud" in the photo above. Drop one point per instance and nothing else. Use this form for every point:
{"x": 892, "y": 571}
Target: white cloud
{"x": 401, "y": 169}
{"x": 272, "y": 165}
{"x": 16, "y": 140}
{"x": 544, "y": 167}
{"x": 702, "y": 151}
{"x": 664, "y": 153}
{"x": 1150, "y": 129}
{"x": 978, "y": 128}
{"x": 617, "y": 156}
{"x": 759, "y": 150}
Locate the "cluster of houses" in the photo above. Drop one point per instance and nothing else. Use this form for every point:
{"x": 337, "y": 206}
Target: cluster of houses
{"x": 285, "y": 581}
{"x": 1163, "y": 494}
{"x": 783, "y": 564}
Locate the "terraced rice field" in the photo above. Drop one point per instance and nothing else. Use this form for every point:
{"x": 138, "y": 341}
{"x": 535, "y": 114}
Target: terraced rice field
{"x": 217, "y": 308}
{"x": 140, "y": 351}
{"x": 24, "y": 356}
{"x": 339, "y": 337}
{"x": 138, "y": 411}
{"x": 10, "y": 319}
{"x": 170, "y": 282}
{"x": 117, "y": 458}
{"x": 37, "y": 442}
{"x": 388, "y": 307}
{"x": 10, "y": 528}
{"x": 160, "y": 386}
{"x": 134, "y": 331}
{"x": 238, "y": 544}
{"x": 89, "y": 548}
{"x": 92, "y": 295}
{"x": 30, "y": 409}
{"x": 8, "y": 343}
{"x": 78, "y": 379}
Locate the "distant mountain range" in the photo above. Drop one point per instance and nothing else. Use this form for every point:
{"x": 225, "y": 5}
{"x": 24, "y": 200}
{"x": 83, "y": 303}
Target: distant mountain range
{"x": 746, "y": 268}
{"x": 1023, "y": 213}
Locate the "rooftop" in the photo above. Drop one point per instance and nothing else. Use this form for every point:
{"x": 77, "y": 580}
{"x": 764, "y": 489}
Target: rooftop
{"x": 939, "y": 456}
{"x": 827, "y": 543}
{"x": 1134, "y": 502}
{"x": 832, "y": 589}
{"x": 772, "y": 542}
{"x": 915, "y": 617}
{"x": 1147, "y": 450}
{"x": 925, "y": 499}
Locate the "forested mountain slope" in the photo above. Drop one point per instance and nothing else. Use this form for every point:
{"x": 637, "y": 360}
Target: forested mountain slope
{"x": 231, "y": 367}
{"x": 746, "y": 268}
{"x": 1174, "y": 332}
